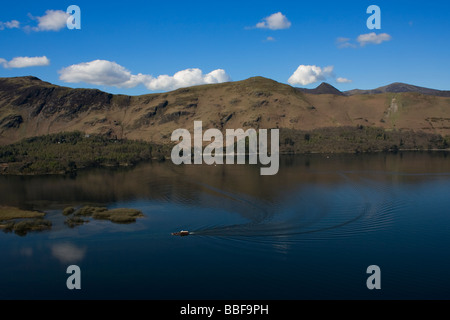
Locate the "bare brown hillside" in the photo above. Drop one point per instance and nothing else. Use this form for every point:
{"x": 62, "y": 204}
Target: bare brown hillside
{"x": 30, "y": 107}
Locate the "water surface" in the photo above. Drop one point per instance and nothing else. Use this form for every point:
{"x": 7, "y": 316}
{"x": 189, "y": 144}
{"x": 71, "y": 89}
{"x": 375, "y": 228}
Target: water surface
{"x": 309, "y": 232}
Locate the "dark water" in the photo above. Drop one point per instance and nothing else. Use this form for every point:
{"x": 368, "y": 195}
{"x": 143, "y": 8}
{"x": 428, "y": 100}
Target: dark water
{"x": 309, "y": 232}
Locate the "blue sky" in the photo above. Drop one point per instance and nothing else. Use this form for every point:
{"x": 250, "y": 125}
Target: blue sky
{"x": 123, "y": 47}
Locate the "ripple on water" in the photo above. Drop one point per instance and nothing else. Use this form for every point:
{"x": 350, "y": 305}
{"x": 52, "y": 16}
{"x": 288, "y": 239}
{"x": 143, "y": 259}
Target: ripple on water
{"x": 315, "y": 213}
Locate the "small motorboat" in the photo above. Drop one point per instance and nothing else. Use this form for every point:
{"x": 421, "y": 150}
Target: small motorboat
{"x": 182, "y": 233}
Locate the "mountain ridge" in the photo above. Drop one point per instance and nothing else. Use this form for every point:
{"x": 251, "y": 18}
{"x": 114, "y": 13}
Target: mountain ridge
{"x": 323, "y": 88}
{"x": 31, "y": 107}
{"x": 399, "y": 87}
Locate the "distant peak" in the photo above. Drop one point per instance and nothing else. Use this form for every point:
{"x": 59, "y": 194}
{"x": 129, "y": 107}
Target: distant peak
{"x": 400, "y": 87}
{"x": 325, "y": 85}
{"x": 323, "y": 88}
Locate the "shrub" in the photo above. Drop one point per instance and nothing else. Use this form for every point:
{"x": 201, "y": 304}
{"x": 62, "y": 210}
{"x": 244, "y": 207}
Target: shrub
{"x": 68, "y": 211}
{"x": 21, "y": 228}
{"x": 75, "y": 221}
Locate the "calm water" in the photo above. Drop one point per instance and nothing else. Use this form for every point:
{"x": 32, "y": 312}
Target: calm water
{"x": 309, "y": 232}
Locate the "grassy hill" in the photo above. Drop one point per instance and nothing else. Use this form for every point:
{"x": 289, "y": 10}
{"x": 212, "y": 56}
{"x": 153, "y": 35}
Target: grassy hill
{"x": 308, "y": 122}
{"x": 30, "y": 107}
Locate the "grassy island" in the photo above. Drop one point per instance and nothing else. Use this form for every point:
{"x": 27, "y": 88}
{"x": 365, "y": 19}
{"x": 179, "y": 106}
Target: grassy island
{"x": 22, "y": 221}
{"x": 119, "y": 215}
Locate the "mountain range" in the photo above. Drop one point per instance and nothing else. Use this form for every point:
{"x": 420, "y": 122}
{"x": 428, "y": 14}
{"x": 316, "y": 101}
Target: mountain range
{"x": 397, "y": 87}
{"x": 31, "y": 107}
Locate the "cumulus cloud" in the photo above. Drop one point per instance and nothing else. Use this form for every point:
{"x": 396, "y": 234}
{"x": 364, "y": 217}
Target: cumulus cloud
{"x": 373, "y": 38}
{"x": 344, "y": 43}
{"x": 98, "y": 72}
{"x": 68, "y": 253}
{"x": 275, "y": 21}
{"x": 103, "y": 72}
{"x": 343, "y": 80}
{"x": 363, "y": 40}
{"x": 52, "y": 20}
{"x": 307, "y": 74}
{"x": 186, "y": 78}
{"x": 13, "y": 24}
{"x": 270, "y": 39}
{"x": 23, "y": 62}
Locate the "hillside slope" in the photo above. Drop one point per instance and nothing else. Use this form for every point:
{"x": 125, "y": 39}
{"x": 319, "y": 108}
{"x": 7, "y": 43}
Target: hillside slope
{"x": 323, "y": 88}
{"x": 399, "y": 87}
{"x": 30, "y": 107}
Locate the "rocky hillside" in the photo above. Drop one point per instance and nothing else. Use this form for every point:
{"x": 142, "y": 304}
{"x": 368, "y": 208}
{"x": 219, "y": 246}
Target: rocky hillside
{"x": 401, "y": 87}
{"x": 30, "y": 107}
{"x": 323, "y": 88}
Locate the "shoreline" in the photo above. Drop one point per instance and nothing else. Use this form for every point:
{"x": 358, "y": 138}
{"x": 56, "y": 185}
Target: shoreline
{"x": 67, "y": 153}
{"x": 158, "y": 160}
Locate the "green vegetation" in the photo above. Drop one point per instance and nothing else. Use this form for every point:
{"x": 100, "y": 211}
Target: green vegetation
{"x": 22, "y": 221}
{"x": 75, "y": 221}
{"x": 120, "y": 215}
{"x": 65, "y": 153}
{"x": 10, "y": 213}
{"x": 68, "y": 211}
{"x": 21, "y": 228}
{"x": 88, "y": 211}
{"x": 359, "y": 139}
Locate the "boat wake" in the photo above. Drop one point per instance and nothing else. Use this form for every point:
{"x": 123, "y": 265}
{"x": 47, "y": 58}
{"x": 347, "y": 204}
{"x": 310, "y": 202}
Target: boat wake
{"x": 345, "y": 210}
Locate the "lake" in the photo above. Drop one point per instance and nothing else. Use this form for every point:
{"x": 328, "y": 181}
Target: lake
{"x": 309, "y": 232}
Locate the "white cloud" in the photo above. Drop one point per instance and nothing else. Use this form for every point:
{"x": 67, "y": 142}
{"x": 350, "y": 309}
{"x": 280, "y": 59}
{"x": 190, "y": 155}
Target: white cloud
{"x": 53, "y": 20}
{"x": 344, "y": 43}
{"x": 363, "y": 39}
{"x": 98, "y": 72}
{"x": 13, "y": 24}
{"x": 270, "y": 39}
{"x": 275, "y": 21}
{"x": 186, "y": 78}
{"x": 23, "y": 62}
{"x": 103, "y": 72}
{"x": 373, "y": 38}
{"x": 306, "y": 74}
{"x": 343, "y": 80}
